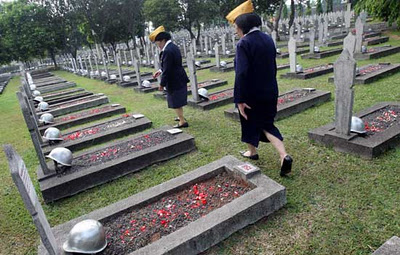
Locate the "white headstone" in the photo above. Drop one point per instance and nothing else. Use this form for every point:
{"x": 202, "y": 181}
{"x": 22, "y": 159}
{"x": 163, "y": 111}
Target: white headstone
{"x": 359, "y": 34}
{"x": 312, "y": 40}
{"x": 292, "y": 54}
{"x": 193, "y": 78}
{"x": 217, "y": 58}
{"x": 349, "y": 43}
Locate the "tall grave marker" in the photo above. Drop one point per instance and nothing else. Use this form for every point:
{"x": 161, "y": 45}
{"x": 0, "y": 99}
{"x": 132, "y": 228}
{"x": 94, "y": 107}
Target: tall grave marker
{"x": 359, "y": 33}
{"x": 25, "y": 187}
{"x": 349, "y": 43}
{"x": 193, "y": 78}
{"x": 345, "y": 71}
{"x": 292, "y": 54}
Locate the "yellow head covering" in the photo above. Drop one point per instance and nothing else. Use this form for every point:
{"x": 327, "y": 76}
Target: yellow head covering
{"x": 154, "y": 34}
{"x": 246, "y": 7}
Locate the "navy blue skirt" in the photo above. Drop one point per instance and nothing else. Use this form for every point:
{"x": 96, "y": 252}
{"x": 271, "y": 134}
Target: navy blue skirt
{"x": 177, "y": 98}
{"x": 259, "y": 118}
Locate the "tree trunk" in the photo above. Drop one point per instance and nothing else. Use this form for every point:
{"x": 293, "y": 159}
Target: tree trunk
{"x": 198, "y": 32}
{"x": 292, "y": 10}
{"x": 53, "y": 57}
{"x": 277, "y": 18}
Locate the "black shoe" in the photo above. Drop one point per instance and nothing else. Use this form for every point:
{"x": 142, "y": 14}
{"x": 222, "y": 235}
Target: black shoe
{"x": 253, "y": 157}
{"x": 184, "y": 125}
{"x": 286, "y": 165}
{"x": 177, "y": 119}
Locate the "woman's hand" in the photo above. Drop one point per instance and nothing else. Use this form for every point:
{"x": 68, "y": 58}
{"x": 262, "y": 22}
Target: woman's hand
{"x": 242, "y": 107}
{"x": 156, "y": 74}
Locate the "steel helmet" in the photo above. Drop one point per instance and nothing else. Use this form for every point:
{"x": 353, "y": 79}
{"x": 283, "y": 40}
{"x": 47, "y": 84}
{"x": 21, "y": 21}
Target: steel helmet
{"x": 32, "y": 87}
{"x": 61, "y": 155}
{"x": 129, "y": 62}
{"x": 103, "y": 74}
{"x": 198, "y": 53}
{"x": 278, "y": 50}
{"x": 36, "y": 93}
{"x": 52, "y": 134}
{"x": 357, "y": 71}
{"x": 363, "y": 49}
{"x": 144, "y": 61}
{"x": 197, "y": 63}
{"x": 146, "y": 84}
{"x": 222, "y": 63}
{"x": 113, "y": 77}
{"x": 38, "y": 99}
{"x": 210, "y": 52}
{"x": 357, "y": 125}
{"x": 46, "y": 118}
{"x": 43, "y": 106}
{"x": 299, "y": 69}
{"x": 126, "y": 77}
{"x": 91, "y": 73}
{"x": 96, "y": 73}
{"x": 152, "y": 62}
{"x": 316, "y": 49}
{"x": 203, "y": 93}
{"x": 227, "y": 52}
{"x": 123, "y": 62}
{"x": 87, "y": 236}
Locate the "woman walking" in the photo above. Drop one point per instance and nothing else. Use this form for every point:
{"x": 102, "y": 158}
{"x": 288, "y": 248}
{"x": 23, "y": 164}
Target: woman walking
{"x": 256, "y": 88}
{"x": 173, "y": 76}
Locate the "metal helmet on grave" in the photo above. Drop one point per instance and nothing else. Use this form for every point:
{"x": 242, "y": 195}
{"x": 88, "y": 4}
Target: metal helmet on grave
{"x": 357, "y": 125}
{"x": 38, "y": 99}
{"x": 47, "y": 118}
{"x": 43, "y": 106}
{"x": 146, "y": 84}
{"x": 299, "y": 68}
{"x": 87, "y": 237}
{"x": 223, "y": 63}
{"x": 203, "y": 93}
{"x": 61, "y": 155}
{"x": 36, "y": 93}
{"x": 52, "y": 134}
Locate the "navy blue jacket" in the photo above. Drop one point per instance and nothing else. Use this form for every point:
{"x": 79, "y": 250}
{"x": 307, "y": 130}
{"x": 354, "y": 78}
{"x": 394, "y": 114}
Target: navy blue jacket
{"x": 255, "y": 69}
{"x": 173, "y": 75}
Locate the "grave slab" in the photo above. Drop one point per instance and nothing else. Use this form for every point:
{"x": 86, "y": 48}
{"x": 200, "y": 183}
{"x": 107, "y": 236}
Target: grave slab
{"x": 266, "y": 197}
{"x": 61, "y": 99}
{"x": 310, "y": 72}
{"x": 375, "y": 40}
{"x": 322, "y": 54}
{"x": 373, "y": 144}
{"x": 292, "y": 102}
{"x": 209, "y": 84}
{"x": 334, "y": 43}
{"x": 105, "y": 131}
{"x": 100, "y": 165}
{"x": 49, "y": 96}
{"x": 390, "y": 247}
{"x": 76, "y": 105}
{"x": 281, "y": 67}
{"x": 370, "y": 73}
{"x": 52, "y": 88}
{"x": 286, "y": 54}
{"x": 217, "y": 99}
{"x": 377, "y": 52}
{"x": 85, "y": 116}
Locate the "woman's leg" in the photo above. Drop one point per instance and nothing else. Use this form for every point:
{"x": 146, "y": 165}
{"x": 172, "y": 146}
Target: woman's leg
{"x": 278, "y": 144}
{"x": 179, "y": 112}
{"x": 252, "y": 150}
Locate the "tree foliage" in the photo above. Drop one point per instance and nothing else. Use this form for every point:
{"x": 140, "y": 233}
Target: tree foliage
{"x": 388, "y": 10}
{"x": 308, "y": 8}
{"x": 319, "y": 7}
{"x": 285, "y": 13}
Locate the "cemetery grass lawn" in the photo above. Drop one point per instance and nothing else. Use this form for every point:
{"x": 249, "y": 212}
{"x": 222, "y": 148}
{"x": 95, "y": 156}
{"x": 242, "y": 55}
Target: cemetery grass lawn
{"x": 337, "y": 203}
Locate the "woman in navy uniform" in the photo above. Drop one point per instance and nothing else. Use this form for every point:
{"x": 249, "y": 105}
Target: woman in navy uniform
{"x": 256, "y": 88}
{"x": 173, "y": 76}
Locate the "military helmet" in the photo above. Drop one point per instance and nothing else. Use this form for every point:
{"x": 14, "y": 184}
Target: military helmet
{"x": 87, "y": 236}
{"x": 36, "y": 93}
{"x": 299, "y": 69}
{"x": 316, "y": 49}
{"x": 203, "y": 93}
{"x": 32, "y": 87}
{"x": 46, "y": 118}
{"x": 38, "y": 99}
{"x": 126, "y": 77}
{"x": 43, "y": 106}
{"x": 223, "y": 63}
{"x": 113, "y": 77}
{"x": 197, "y": 63}
{"x": 52, "y": 134}
{"x": 61, "y": 155}
{"x": 146, "y": 84}
{"x": 357, "y": 125}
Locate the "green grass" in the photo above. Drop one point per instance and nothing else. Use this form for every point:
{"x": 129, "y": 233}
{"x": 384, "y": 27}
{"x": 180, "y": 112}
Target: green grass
{"x": 337, "y": 203}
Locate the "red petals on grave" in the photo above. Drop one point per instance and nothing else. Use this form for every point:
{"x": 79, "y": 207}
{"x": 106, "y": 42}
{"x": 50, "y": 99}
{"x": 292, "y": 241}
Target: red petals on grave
{"x": 143, "y": 228}
{"x": 384, "y": 120}
{"x": 221, "y": 95}
{"x": 125, "y": 115}
{"x": 370, "y": 69}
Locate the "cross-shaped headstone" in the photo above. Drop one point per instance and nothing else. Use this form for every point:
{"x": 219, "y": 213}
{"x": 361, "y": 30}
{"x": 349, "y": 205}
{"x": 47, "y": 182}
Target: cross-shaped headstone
{"x": 344, "y": 75}
{"x": 193, "y": 78}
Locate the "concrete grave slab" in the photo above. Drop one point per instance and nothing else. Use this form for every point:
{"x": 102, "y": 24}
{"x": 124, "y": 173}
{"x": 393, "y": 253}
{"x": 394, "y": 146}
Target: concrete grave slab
{"x": 293, "y": 106}
{"x": 390, "y": 247}
{"x": 377, "y": 52}
{"x": 366, "y": 147}
{"x": 322, "y": 54}
{"x": 65, "y": 98}
{"x": 373, "y": 72}
{"x": 97, "y": 133}
{"x": 375, "y": 40}
{"x": 286, "y": 54}
{"x": 217, "y": 99}
{"x": 52, "y": 88}
{"x": 228, "y": 68}
{"x": 49, "y": 96}
{"x": 209, "y": 84}
{"x": 85, "y": 116}
{"x": 310, "y": 72}
{"x": 76, "y": 105}
{"x": 266, "y": 197}
{"x": 82, "y": 177}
